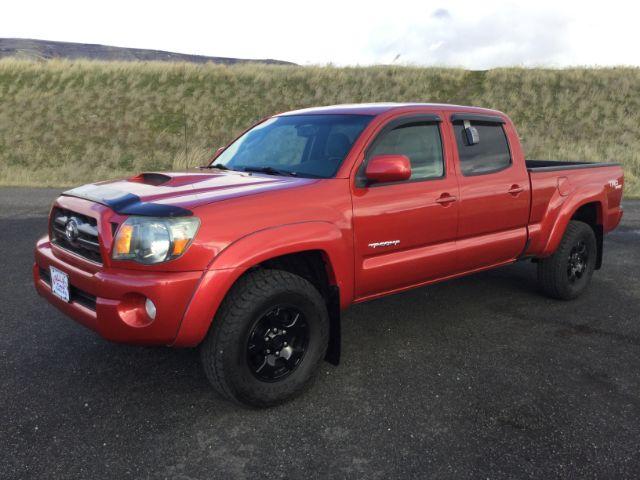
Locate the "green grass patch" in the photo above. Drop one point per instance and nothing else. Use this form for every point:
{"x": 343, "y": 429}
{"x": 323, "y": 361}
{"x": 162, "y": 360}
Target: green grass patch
{"x": 65, "y": 123}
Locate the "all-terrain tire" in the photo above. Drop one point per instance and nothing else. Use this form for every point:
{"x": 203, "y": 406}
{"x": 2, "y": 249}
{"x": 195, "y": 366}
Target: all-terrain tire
{"x": 224, "y": 351}
{"x": 566, "y": 274}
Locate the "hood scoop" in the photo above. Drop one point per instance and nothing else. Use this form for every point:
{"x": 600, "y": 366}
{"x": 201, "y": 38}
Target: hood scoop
{"x": 151, "y": 178}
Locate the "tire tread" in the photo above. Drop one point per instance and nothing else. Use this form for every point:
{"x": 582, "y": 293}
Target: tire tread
{"x": 551, "y": 270}
{"x": 226, "y": 328}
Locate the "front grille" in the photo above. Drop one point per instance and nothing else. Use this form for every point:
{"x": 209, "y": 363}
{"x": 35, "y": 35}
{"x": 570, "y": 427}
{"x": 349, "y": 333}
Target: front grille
{"x": 77, "y": 233}
{"x": 75, "y": 294}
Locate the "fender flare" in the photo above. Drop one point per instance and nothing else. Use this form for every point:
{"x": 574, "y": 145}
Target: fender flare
{"x": 248, "y": 251}
{"x": 567, "y": 210}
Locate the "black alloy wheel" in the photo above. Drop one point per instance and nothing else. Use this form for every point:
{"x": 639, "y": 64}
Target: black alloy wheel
{"x": 277, "y": 343}
{"x": 578, "y": 262}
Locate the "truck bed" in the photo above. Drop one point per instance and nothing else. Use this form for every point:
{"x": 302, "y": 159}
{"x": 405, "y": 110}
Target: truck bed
{"x": 554, "y": 165}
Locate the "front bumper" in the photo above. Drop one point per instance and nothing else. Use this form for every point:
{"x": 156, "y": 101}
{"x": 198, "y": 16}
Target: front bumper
{"x": 111, "y": 301}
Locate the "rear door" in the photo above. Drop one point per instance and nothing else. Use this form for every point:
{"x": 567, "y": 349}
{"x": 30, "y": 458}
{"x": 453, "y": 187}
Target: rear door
{"x": 494, "y": 193}
{"x": 405, "y": 231}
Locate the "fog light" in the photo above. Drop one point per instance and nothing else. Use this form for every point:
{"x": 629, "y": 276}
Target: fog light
{"x": 150, "y": 307}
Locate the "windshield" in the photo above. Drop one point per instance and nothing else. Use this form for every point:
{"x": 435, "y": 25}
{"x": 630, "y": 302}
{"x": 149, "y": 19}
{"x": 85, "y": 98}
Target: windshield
{"x": 298, "y": 145}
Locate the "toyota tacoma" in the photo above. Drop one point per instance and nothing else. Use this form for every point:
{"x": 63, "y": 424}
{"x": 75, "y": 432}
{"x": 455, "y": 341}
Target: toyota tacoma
{"x": 254, "y": 256}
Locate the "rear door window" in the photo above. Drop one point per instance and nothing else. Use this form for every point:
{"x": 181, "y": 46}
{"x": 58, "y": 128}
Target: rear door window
{"x": 491, "y": 154}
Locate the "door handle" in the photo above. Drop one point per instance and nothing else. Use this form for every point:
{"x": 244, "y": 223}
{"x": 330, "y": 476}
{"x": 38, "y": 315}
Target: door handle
{"x": 445, "y": 199}
{"x": 516, "y": 189}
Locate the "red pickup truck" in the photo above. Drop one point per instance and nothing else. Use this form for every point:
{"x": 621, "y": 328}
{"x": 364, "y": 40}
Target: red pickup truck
{"x": 254, "y": 256}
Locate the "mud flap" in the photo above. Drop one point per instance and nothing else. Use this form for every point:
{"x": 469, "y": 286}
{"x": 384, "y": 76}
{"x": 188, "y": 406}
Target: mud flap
{"x": 333, "y": 305}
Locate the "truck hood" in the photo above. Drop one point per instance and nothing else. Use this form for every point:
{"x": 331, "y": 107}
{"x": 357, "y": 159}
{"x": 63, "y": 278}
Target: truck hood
{"x": 175, "y": 193}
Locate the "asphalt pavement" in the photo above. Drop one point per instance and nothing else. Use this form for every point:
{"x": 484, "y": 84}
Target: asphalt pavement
{"x": 480, "y": 377}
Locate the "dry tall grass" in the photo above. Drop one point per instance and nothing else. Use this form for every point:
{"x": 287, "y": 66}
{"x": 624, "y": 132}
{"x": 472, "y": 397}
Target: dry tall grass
{"x": 65, "y": 123}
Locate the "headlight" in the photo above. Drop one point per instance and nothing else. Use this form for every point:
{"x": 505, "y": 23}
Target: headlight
{"x": 154, "y": 240}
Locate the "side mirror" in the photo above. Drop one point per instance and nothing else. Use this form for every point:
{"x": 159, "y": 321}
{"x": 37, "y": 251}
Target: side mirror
{"x": 388, "y": 168}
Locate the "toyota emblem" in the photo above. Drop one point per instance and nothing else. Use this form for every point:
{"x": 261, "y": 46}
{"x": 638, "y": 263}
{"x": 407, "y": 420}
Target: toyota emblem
{"x": 71, "y": 230}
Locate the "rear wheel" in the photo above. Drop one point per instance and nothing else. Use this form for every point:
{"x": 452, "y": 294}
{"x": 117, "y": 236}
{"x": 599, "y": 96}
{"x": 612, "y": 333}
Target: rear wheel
{"x": 567, "y": 273}
{"x": 267, "y": 340}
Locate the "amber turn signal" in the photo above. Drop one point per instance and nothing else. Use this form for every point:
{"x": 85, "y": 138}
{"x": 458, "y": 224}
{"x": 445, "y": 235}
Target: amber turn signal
{"x": 123, "y": 240}
{"x": 180, "y": 245}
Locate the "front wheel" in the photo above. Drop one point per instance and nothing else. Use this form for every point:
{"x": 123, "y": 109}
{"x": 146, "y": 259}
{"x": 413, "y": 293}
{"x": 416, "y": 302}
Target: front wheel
{"x": 267, "y": 340}
{"x": 567, "y": 273}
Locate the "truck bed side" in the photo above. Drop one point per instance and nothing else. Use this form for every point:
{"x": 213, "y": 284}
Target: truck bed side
{"x": 561, "y": 191}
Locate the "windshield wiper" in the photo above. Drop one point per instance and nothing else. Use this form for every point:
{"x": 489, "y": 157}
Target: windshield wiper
{"x": 270, "y": 171}
{"x": 219, "y": 166}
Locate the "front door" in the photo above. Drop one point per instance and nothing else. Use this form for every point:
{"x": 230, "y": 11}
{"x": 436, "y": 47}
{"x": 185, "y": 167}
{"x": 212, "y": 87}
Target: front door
{"x": 405, "y": 232}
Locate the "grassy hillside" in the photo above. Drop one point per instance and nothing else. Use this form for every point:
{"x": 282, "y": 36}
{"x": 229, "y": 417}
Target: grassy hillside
{"x": 65, "y": 123}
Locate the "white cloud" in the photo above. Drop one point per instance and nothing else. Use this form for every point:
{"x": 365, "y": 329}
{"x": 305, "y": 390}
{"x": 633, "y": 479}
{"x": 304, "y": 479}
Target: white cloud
{"x": 477, "y": 41}
{"x": 449, "y": 32}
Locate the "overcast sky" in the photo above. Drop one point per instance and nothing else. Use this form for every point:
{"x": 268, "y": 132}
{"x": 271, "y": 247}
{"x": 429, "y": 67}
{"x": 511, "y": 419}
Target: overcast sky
{"x": 472, "y": 34}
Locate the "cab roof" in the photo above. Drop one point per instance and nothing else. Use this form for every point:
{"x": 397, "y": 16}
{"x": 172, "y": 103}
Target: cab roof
{"x": 380, "y": 108}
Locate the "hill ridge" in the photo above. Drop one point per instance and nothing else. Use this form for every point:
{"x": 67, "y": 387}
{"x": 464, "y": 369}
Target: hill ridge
{"x": 34, "y": 49}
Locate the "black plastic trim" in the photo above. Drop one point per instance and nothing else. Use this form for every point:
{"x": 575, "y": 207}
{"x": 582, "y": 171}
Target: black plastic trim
{"x": 125, "y": 203}
{"x": 475, "y": 117}
{"x": 86, "y": 245}
{"x": 333, "y": 304}
{"x": 556, "y": 165}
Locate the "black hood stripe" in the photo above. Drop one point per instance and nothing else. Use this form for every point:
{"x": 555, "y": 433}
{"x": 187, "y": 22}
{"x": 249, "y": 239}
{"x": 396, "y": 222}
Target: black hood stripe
{"x": 125, "y": 203}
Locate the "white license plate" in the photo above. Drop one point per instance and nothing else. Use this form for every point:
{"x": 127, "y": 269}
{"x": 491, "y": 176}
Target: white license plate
{"x": 59, "y": 283}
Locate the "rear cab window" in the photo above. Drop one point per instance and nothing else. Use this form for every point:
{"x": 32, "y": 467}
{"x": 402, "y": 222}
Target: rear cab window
{"x": 488, "y": 154}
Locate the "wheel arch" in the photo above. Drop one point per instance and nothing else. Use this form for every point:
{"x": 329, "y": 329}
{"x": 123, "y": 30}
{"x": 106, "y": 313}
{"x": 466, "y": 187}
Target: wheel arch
{"x": 591, "y": 214}
{"x": 313, "y": 241}
{"x": 316, "y": 251}
{"x": 315, "y": 267}
{"x": 588, "y": 210}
